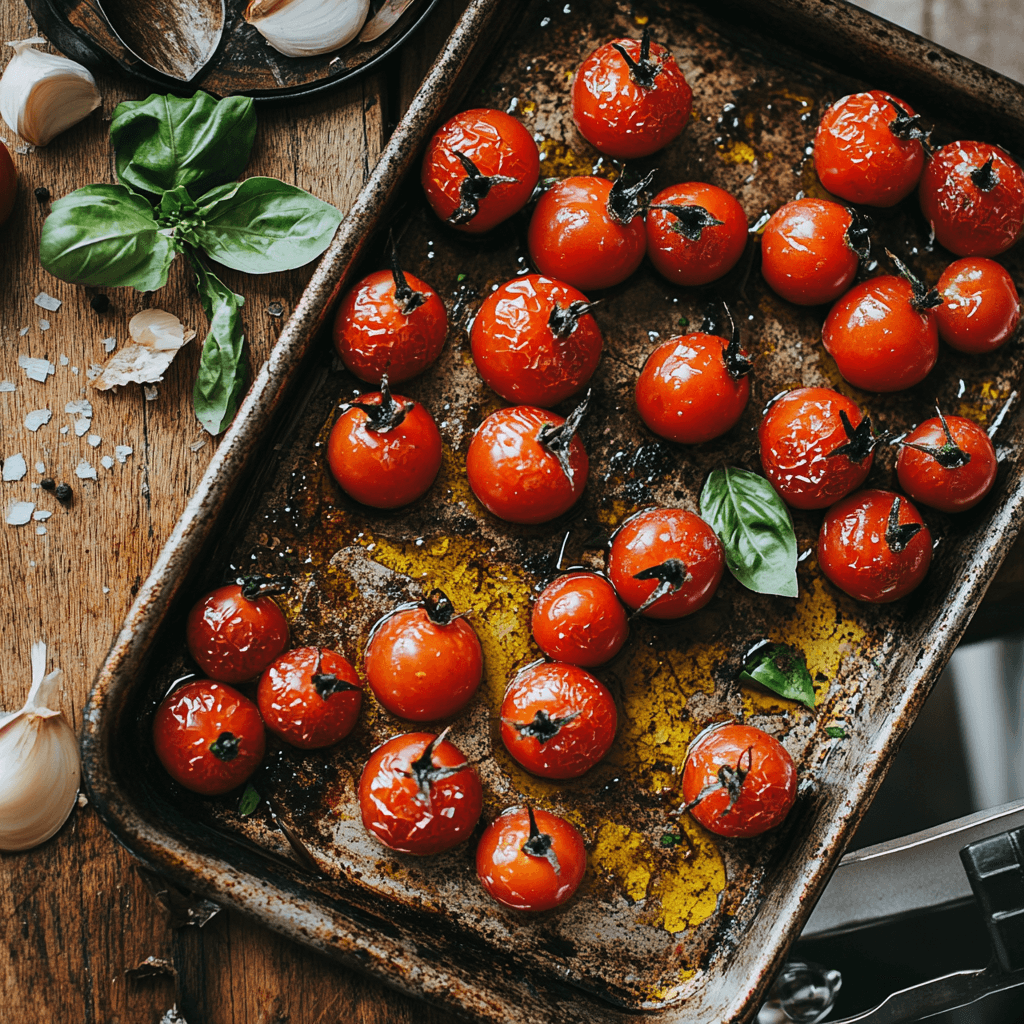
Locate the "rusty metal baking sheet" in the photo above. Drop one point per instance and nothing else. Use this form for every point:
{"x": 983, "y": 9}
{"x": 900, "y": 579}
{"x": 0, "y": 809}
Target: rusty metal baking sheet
{"x": 669, "y": 919}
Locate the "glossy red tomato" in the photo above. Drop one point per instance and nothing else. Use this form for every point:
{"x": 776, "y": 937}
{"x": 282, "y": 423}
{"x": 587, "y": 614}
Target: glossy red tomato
{"x": 531, "y": 859}
{"x": 738, "y": 781}
{"x": 947, "y": 463}
{"x": 557, "y": 720}
{"x": 666, "y": 551}
{"x": 419, "y": 795}
{"x": 696, "y": 233}
{"x": 390, "y": 324}
{"x": 8, "y": 183}
{"x": 480, "y": 168}
{"x": 310, "y": 697}
{"x": 972, "y": 194}
{"x": 629, "y": 98}
{"x": 816, "y": 446}
{"x": 579, "y": 619}
{"x": 811, "y": 249}
{"x": 874, "y": 546}
{"x": 236, "y": 631}
{"x": 526, "y": 465}
{"x": 384, "y": 450}
{"x": 424, "y": 663}
{"x": 534, "y": 341}
{"x": 868, "y": 149}
{"x": 980, "y": 306}
{"x": 589, "y": 231}
{"x": 208, "y": 736}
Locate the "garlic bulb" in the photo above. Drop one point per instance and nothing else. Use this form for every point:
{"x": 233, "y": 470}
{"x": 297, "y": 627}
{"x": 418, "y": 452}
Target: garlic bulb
{"x": 42, "y": 94}
{"x": 38, "y": 763}
{"x": 303, "y": 28}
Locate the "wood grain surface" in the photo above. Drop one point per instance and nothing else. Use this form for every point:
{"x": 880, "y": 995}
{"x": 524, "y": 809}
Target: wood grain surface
{"x": 76, "y": 917}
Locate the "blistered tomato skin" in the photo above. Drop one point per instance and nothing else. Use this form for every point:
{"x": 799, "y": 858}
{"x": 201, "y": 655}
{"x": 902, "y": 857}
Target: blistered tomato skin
{"x": 857, "y": 156}
{"x": 8, "y": 183}
{"x": 529, "y": 881}
{"x": 868, "y": 553}
{"x": 957, "y": 486}
{"x": 499, "y": 147}
{"x": 654, "y": 538}
{"x": 532, "y": 345}
{"x": 310, "y": 697}
{"x": 232, "y": 638}
{"x": 208, "y": 736}
{"x": 417, "y": 800}
{"x": 980, "y": 308}
{"x": 759, "y": 768}
{"x": 807, "y": 452}
{"x": 684, "y": 243}
{"x": 374, "y": 335}
{"x": 974, "y": 207}
{"x": 578, "y": 619}
{"x": 557, "y": 720}
{"x": 806, "y": 256}
{"x": 879, "y": 341}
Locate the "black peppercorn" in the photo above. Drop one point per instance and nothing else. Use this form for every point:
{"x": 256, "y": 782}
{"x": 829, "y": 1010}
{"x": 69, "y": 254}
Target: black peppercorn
{"x": 64, "y": 494}
{"x": 42, "y": 194}
{"x": 47, "y": 483}
{"x": 100, "y": 303}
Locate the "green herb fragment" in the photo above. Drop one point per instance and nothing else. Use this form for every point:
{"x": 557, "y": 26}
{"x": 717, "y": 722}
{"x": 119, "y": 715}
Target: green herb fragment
{"x": 671, "y": 839}
{"x": 461, "y": 277}
{"x": 684, "y": 321}
{"x": 249, "y": 802}
{"x": 782, "y": 670}
{"x": 835, "y": 731}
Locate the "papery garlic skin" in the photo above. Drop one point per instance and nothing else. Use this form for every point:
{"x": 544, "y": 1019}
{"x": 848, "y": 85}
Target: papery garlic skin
{"x": 39, "y": 766}
{"x": 43, "y": 94}
{"x": 304, "y": 28}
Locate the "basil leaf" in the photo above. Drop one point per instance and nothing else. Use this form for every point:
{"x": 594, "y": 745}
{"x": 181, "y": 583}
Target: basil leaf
{"x": 106, "y": 236}
{"x": 166, "y": 141}
{"x": 755, "y": 528}
{"x": 836, "y": 732}
{"x": 220, "y": 382}
{"x": 782, "y": 670}
{"x": 249, "y": 802}
{"x": 262, "y": 225}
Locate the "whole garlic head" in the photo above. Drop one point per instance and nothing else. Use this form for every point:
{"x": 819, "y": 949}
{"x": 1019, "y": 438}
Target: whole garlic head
{"x": 304, "y": 28}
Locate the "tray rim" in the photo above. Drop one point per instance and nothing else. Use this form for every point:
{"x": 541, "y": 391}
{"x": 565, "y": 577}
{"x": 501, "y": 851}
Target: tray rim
{"x": 277, "y": 900}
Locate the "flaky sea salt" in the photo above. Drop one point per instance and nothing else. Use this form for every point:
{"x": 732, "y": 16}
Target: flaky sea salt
{"x": 108, "y": 345}
{"x": 196, "y": 445}
{"x": 64, "y": 430}
{"x": 74, "y": 370}
{"x": 84, "y": 471}
{"x": 19, "y": 512}
{"x": 14, "y": 467}
{"x": 7, "y": 385}
{"x": 40, "y": 530}
{"x": 64, "y": 360}
{"x": 151, "y": 393}
{"x": 36, "y": 369}
{"x": 82, "y": 426}
{"x": 107, "y": 462}
{"x": 122, "y": 451}
{"x": 80, "y": 407}
{"x": 44, "y": 325}
{"x": 37, "y": 418}
{"x": 93, "y": 371}
{"x": 23, "y": 332}
{"x": 40, "y": 467}
{"x": 48, "y": 302}
{"x": 94, "y": 440}
{"x": 42, "y": 513}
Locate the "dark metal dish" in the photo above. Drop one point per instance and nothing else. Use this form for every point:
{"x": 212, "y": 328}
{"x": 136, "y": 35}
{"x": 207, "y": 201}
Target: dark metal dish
{"x": 689, "y": 930}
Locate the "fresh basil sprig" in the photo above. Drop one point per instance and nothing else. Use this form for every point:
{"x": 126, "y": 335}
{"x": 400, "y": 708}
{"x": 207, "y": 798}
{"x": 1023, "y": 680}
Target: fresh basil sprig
{"x": 755, "y": 529}
{"x": 176, "y": 159}
{"x": 783, "y": 670}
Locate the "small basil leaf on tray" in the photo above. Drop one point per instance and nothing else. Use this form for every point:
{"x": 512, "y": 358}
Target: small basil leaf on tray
{"x": 782, "y": 670}
{"x": 249, "y": 802}
{"x": 106, "y": 236}
{"x": 837, "y": 732}
{"x": 166, "y": 141}
{"x": 262, "y": 225}
{"x": 755, "y": 529}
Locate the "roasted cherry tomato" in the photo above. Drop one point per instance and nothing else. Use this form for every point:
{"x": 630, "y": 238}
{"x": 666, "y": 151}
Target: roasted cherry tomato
{"x": 874, "y": 546}
{"x": 208, "y": 736}
{"x": 868, "y": 149}
{"x": 531, "y": 859}
{"x": 972, "y": 194}
{"x": 390, "y": 324}
{"x": 424, "y": 663}
{"x": 883, "y": 334}
{"x": 236, "y": 631}
{"x": 384, "y": 450}
{"x": 418, "y": 794}
{"x": 810, "y": 250}
{"x": 527, "y": 465}
{"x": 738, "y": 781}
{"x": 816, "y": 446}
{"x": 696, "y": 233}
{"x": 666, "y": 562}
{"x": 480, "y": 168}
{"x": 947, "y": 463}
{"x": 630, "y": 99}
{"x": 980, "y": 306}
{"x": 694, "y": 388}
{"x": 557, "y": 720}
{"x": 579, "y": 620}
{"x": 535, "y": 342}
{"x": 8, "y": 183}
{"x": 589, "y": 231}
{"x": 310, "y": 697}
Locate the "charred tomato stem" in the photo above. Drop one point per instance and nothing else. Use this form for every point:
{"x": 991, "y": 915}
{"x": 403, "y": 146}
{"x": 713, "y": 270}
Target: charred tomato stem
{"x": 474, "y": 187}
{"x": 628, "y": 201}
{"x": 558, "y": 439}
{"x": 737, "y": 363}
{"x": 643, "y": 71}
{"x": 386, "y": 414}
{"x": 540, "y": 844}
{"x": 542, "y": 727}
{"x": 671, "y": 575}
{"x": 407, "y": 299}
{"x": 923, "y": 298}
{"x": 255, "y": 586}
{"x": 858, "y": 234}
{"x": 861, "y": 442}
{"x": 985, "y": 176}
{"x": 425, "y": 773}
{"x": 730, "y": 779}
{"x": 565, "y": 319}
{"x": 897, "y": 536}
{"x": 948, "y": 456}
{"x": 690, "y": 220}
{"x": 225, "y": 746}
{"x": 439, "y": 608}
{"x": 906, "y": 125}
{"x": 327, "y": 683}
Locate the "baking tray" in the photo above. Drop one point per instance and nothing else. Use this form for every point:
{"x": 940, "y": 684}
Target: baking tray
{"x": 692, "y": 930}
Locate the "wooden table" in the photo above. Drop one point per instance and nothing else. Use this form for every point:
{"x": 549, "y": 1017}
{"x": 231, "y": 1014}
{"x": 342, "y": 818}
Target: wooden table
{"x": 76, "y": 915}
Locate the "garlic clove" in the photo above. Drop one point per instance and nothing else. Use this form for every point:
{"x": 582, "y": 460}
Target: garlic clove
{"x": 304, "y": 28}
{"x": 385, "y": 17}
{"x": 43, "y": 94}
